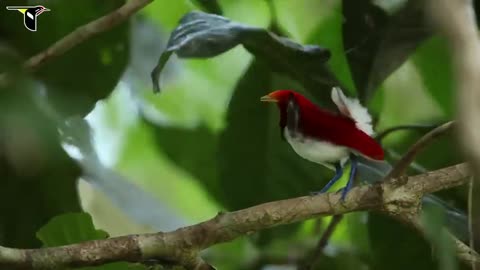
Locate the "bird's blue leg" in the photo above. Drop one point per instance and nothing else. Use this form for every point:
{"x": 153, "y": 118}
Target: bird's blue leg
{"x": 353, "y": 170}
{"x": 338, "y": 174}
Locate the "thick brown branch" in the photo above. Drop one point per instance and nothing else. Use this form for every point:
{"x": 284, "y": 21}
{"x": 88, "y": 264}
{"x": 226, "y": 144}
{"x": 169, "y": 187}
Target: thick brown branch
{"x": 183, "y": 245}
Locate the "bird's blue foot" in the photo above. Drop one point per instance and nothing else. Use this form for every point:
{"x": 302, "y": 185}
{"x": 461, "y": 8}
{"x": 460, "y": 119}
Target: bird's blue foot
{"x": 338, "y": 174}
{"x": 351, "y": 178}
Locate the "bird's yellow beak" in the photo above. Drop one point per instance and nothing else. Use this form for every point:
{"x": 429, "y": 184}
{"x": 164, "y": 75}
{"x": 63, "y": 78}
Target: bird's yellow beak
{"x": 268, "y": 98}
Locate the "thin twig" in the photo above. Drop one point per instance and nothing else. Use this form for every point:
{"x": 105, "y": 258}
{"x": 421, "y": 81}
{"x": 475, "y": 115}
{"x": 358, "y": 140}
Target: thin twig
{"x": 314, "y": 258}
{"x": 381, "y": 135}
{"x": 82, "y": 34}
{"x": 470, "y": 218}
{"x": 182, "y": 246}
{"x": 405, "y": 161}
{"x": 418, "y": 168}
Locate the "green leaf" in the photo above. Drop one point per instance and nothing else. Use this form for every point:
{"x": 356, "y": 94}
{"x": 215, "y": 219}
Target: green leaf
{"x": 75, "y": 228}
{"x": 201, "y": 35}
{"x": 68, "y": 229}
{"x": 88, "y": 72}
{"x": 376, "y": 43}
{"x": 433, "y": 61}
{"x": 329, "y": 35}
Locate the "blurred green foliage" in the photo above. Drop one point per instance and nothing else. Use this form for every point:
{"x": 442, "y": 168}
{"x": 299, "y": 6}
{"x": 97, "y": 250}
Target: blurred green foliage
{"x": 68, "y": 229}
{"x": 33, "y": 166}
{"x": 206, "y": 143}
{"x": 85, "y": 74}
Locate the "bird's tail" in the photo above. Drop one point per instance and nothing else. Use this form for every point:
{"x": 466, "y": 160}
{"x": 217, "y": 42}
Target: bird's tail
{"x": 351, "y": 108}
{"x": 456, "y": 220}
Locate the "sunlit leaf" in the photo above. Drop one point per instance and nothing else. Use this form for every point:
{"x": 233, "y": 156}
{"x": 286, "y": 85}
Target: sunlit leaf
{"x": 69, "y": 229}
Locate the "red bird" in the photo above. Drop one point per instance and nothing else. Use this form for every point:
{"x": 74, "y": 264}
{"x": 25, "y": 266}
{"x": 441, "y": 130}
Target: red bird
{"x": 326, "y": 137}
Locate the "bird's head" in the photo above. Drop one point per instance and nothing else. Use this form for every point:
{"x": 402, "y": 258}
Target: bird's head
{"x": 40, "y": 9}
{"x": 282, "y": 99}
{"x": 279, "y": 96}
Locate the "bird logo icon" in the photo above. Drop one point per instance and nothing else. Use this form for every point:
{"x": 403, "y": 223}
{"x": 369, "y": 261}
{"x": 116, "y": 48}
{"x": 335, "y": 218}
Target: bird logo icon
{"x": 30, "y": 14}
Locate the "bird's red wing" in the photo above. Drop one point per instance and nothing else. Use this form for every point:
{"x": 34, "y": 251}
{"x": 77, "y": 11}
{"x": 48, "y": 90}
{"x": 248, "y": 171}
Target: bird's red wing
{"x": 338, "y": 130}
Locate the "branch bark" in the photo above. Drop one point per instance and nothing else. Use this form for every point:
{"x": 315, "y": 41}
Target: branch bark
{"x": 183, "y": 245}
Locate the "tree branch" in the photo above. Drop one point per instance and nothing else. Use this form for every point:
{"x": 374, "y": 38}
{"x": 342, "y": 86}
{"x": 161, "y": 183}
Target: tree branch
{"x": 182, "y": 246}
{"x": 310, "y": 262}
{"x": 412, "y": 152}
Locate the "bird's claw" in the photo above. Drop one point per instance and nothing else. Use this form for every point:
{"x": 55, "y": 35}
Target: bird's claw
{"x": 343, "y": 190}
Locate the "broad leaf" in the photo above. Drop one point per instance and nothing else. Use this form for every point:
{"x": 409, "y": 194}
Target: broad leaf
{"x": 376, "y": 43}
{"x": 201, "y": 35}
{"x": 68, "y": 229}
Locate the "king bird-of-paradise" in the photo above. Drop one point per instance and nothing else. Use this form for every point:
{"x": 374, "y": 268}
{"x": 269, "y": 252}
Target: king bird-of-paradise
{"x": 326, "y": 137}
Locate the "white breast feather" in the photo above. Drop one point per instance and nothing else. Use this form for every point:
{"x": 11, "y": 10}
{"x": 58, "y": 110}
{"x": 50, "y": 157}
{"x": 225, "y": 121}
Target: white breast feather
{"x": 352, "y": 108}
{"x": 320, "y": 152}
